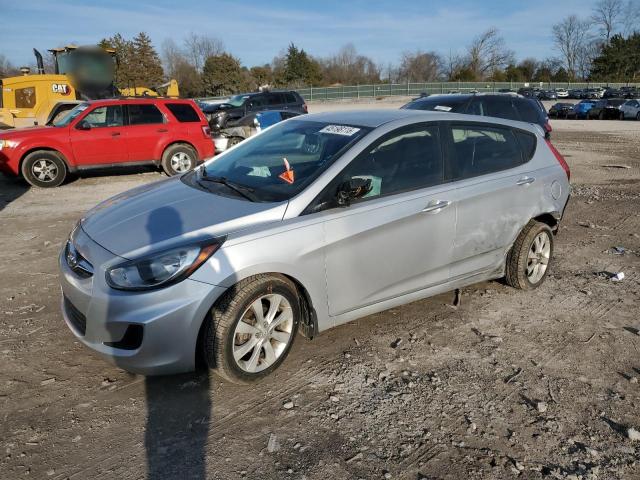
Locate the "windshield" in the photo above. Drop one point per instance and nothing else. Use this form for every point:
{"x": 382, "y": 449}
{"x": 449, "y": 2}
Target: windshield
{"x": 71, "y": 114}
{"x": 442, "y": 104}
{"x": 281, "y": 161}
{"x": 237, "y": 100}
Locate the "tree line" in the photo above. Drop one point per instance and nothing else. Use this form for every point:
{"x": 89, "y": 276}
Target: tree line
{"x": 604, "y": 46}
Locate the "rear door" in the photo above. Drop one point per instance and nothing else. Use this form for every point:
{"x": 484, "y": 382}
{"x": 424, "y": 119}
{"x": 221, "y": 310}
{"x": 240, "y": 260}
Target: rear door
{"x": 494, "y": 192}
{"x": 275, "y": 101}
{"x": 98, "y": 138}
{"x": 398, "y": 239}
{"x": 147, "y": 130}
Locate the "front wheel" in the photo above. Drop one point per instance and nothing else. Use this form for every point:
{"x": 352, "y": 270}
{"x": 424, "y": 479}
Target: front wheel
{"x": 179, "y": 159}
{"x": 638, "y": 116}
{"x": 44, "y": 169}
{"x": 529, "y": 258}
{"x": 251, "y": 328}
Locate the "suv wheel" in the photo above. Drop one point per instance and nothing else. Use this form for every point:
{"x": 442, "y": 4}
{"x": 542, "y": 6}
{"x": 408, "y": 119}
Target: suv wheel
{"x": 44, "y": 169}
{"x": 529, "y": 258}
{"x": 179, "y": 159}
{"x": 251, "y": 328}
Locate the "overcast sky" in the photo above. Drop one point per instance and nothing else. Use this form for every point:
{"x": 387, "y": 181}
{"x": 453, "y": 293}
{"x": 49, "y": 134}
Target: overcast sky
{"x": 255, "y": 31}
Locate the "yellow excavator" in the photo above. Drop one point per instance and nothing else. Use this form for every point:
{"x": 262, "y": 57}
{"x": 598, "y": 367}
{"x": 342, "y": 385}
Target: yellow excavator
{"x": 81, "y": 73}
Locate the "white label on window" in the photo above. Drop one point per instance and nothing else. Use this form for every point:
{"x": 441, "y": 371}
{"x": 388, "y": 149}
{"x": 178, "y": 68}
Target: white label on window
{"x": 442, "y": 108}
{"x": 340, "y": 130}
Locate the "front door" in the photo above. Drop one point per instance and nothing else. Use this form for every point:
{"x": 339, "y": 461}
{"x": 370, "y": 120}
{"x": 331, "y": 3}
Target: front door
{"x": 398, "y": 238}
{"x": 98, "y": 137}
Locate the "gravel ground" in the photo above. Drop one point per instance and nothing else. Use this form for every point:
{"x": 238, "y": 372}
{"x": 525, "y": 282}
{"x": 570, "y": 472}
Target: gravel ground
{"x": 509, "y": 384}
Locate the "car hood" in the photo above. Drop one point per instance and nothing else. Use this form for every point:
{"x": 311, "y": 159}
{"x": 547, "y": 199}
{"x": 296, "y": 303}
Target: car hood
{"x": 160, "y": 215}
{"x": 15, "y": 133}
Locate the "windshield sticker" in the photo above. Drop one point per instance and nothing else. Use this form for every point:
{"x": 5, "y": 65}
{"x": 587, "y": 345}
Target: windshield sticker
{"x": 340, "y": 130}
{"x": 442, "y": 108}
{"x": 287, "y": 175}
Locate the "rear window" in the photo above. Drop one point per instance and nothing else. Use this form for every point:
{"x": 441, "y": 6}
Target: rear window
{"x": 442, "y": 104}
{"x": 144, "y": 114}
{"x": 183, "y": 112}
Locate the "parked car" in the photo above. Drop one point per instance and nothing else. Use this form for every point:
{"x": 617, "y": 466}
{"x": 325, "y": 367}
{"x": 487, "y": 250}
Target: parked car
{"x": 315, "y": 222}
{"x": 168, "y": 133}
{"x": 248, "y": 126}
{"x": 560, "y": 110}
{"x": 581, "y": 109}
{"x": 241, "y": 105}
{"x": 562, "y": 93}
{"x": 591, "y": 93}
{"x": 629, "y": 92}
{"x": 575, "y": 93}
{"x": 547, "y": 95}
{"x": 607, "y": 108}
{"x": 612, "y": 93}
{"x": 500, "y": 105}
{"x": 630, "y": 109}
{"x": 529, "y": 92}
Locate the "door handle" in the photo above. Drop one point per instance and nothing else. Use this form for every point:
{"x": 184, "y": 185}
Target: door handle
{"x": 525, "y": 181}
{"x": 436, "y": 207}
{"x": 162, "y": 130}
{"x": 115, "y": 134}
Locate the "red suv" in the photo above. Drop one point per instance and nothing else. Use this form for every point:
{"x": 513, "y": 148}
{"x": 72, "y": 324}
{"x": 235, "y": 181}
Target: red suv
{"x": 173, "y": 134}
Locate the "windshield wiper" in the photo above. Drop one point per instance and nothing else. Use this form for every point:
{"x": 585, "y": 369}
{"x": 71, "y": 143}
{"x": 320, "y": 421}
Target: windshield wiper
{"x": 242, "y": 190}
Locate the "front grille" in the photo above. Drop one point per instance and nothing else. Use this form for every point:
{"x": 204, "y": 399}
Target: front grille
{"x": 75, "y": 316}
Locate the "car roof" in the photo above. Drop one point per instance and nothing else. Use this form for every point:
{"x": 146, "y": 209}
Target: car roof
{"x": 121, "y": 100}
{"x": 379, "y": 117}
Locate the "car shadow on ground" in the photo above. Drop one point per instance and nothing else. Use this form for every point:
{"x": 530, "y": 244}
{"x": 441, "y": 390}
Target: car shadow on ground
{"x": 112, "y": 172}
{"x": 11, "y": 189}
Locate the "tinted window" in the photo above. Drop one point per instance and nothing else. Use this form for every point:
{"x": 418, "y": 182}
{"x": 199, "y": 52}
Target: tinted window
{"x": 275, "y": 99}
{"x": 528, "y": 144}
{"x": 453, "y": 103}
{"x": 25, "y": 97}
{"x": 183, "y": 112}
{"x": 529, "y": 111}
{"x": 257, "y": 101}
{"x": 101, "y": 117}
{"x": 290, "y": 98}
{"x": 499, "y": 107}
{"x": 286, "y": 115}
{"x": 144, "y": 114}
{"x": 405, "y": 160}
{"x": 479, "y": 150}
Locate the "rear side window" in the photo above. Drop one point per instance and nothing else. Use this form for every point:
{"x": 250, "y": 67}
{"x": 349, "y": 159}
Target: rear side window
{"x": 527, "y": 143}
{"x": 479, "y": 150}
{"x": 144, "y": 114}
{"x": 275, "y": 99}
{"x": 290, "y": 98}
{"x": 183, "y": 112}
{"x": 499, "y": 107}
{"x": 529, "y": 111}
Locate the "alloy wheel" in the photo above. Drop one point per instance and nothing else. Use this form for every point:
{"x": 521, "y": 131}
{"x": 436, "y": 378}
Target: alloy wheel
{"x": 538, "y": 258}
{"x": 44, "y": 170}
{"x": 180, "y": 162}
{"x": 263, "y": 333}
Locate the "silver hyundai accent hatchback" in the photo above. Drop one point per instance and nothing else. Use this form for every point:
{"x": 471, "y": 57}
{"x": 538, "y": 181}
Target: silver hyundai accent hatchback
{"x": 314, "y": 222}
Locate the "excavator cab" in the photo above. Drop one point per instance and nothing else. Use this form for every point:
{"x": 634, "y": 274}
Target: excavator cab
{"x": 90, "y": 69}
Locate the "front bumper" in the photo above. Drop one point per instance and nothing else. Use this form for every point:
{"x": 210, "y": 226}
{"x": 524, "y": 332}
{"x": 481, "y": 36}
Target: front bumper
{"x": 168, "y": 320}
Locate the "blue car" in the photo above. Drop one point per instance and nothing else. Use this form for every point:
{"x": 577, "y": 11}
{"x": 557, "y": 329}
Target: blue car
{"x": 581, "y": 109}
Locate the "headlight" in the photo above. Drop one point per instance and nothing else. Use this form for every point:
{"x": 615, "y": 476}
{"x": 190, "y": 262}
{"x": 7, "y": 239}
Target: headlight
{"x": 6, "y": 144}
{"x": 161, "y": 269}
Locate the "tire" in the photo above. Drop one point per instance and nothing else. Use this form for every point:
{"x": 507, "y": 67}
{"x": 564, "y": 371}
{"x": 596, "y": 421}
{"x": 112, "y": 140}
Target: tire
{"x": 601, "y": 116}
{"x": 224, "y": 345}
{"x": 638, "y": 116}
{"x": 521, "y": 271}
{"x": 178, "y": 159}
{"x": 44, "y": 169}
{"x": 233, "y": 141}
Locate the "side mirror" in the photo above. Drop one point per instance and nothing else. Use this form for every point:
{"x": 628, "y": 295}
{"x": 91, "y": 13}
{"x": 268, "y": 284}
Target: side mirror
{"x": 84, "y": 125}
{"x": 353, "y": 189}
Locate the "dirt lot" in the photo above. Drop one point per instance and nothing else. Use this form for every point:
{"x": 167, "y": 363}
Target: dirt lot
{"x": 509, "y": 384}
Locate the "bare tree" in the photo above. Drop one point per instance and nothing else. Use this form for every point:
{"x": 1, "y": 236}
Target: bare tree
{"x": 607, "y": 16}
{"x": 570, "y": 37}
{"x": 631, "y": 17}
{"x": 452, "y": 64}
{"x": 349, "y": 67}
{"x": 420, "y": 66}
{"x": 488, "y": 52}
{"x": 6, "y": 68}
{"x": 199, "y": 47}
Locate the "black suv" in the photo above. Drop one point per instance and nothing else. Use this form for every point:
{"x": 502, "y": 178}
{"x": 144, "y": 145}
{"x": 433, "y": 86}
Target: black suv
{"x": 607, "y": 108}
{"x": 238, "y": 106}
{"x": 501, "y": 105}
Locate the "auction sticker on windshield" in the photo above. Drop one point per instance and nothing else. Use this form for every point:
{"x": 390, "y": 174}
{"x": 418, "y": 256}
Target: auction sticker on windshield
{"x": 442, "y": 108}
{"x": 340, "y": 130}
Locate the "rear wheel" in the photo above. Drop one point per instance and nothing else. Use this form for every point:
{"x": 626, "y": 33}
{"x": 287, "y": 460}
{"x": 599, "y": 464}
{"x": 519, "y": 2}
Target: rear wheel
{"x": 638, "y": 116}
{"x": 44, "y": 169}
{"x": 601, "y": 116}
{"x": 233, "y": 141}
{"x": 529, "y": 258}
{"x": 251, "y": 328}
{"x": 179, "y": 159}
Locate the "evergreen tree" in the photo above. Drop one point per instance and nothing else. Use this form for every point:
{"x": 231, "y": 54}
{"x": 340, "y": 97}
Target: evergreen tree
{"x": 148, "y": 67}
{"x": 222, "y": 75}
{"x": 300, "y": 69}
{"x": 125, "y": 73}
{"x": 619, "y": 60}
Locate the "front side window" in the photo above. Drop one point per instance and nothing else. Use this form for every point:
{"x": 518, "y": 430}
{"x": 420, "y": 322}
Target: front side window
{"x": 26, "y": 97}
{"x": 108, "y": 116}
{"x": 279, "y": 163}
{"x": 144, "y": 114}
{"x": 71, "y": 115}
{"x": 408, "y": 159}
{"x": 479, "y": 150}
